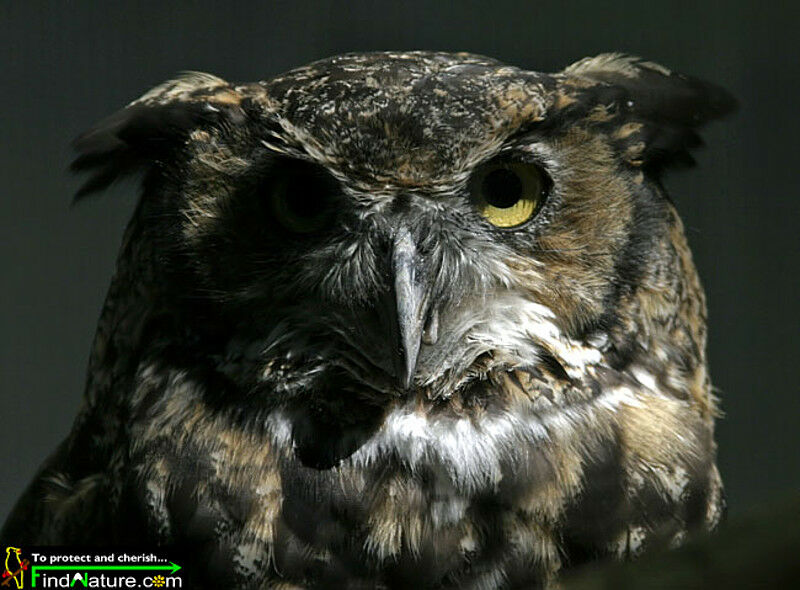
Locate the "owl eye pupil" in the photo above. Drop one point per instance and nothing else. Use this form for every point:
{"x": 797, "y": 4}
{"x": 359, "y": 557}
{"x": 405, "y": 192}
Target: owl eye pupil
{"x": 303, "y": 198}
{"x": 300, "y": 197}
{"x": 502, "y": 188}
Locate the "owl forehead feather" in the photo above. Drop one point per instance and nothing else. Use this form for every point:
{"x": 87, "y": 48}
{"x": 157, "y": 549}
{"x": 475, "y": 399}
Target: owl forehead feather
{"x": 411, "y": 120}
{"x": 404, "y": 118}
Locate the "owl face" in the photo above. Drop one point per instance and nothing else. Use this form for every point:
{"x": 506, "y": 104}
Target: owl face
{"x": 410, "y": 221}
{"x": 396, "y": 226}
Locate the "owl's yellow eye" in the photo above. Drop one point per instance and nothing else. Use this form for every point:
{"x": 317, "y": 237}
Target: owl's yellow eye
{"x": 508, "y": 194}
{"x": 300, "y": 200}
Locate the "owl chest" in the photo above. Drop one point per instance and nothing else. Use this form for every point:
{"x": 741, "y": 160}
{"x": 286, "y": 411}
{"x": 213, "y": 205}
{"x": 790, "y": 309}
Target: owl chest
{"x": 426, "y": 501}
{"x": 408, "y": 526}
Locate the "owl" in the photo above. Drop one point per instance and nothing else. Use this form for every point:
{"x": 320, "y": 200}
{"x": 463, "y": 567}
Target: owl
{"x": 395, "y": 320}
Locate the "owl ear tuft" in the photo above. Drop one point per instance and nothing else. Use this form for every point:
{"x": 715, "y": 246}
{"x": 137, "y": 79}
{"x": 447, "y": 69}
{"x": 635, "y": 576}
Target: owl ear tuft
{"x": 654, "y": 112}
{"x": 148, "y": 129}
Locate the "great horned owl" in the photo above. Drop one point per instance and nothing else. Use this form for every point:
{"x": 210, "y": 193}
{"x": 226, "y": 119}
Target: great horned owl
{"x": 395, "y": 320}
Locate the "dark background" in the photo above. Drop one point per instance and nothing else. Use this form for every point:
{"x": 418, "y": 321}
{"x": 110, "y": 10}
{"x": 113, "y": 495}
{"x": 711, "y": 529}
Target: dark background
{"x": 65, "y": 65}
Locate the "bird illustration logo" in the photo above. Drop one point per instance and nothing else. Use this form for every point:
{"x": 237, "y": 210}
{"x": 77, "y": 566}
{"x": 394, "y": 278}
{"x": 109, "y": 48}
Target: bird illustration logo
{"x": 15, "y": 567}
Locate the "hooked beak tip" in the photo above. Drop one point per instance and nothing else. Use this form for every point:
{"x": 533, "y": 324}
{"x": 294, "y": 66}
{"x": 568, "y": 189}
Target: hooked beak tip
{"x": 410, "y": 355}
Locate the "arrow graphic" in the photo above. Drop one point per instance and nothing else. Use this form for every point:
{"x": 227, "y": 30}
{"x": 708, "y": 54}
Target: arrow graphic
{"x": 172, "y": 567}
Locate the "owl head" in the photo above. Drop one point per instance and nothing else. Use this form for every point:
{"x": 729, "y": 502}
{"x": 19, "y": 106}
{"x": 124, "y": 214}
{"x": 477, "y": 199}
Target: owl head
{"x": 375, "y": 226}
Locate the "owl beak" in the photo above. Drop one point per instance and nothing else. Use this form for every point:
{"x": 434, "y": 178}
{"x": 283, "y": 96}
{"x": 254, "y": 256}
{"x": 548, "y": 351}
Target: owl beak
{"x": 411, "y": 298}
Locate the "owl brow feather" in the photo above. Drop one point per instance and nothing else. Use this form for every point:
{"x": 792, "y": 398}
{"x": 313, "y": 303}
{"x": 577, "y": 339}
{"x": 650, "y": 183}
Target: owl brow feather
{"x": 578, "y": 249}
{"x": 285, "y": 149}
